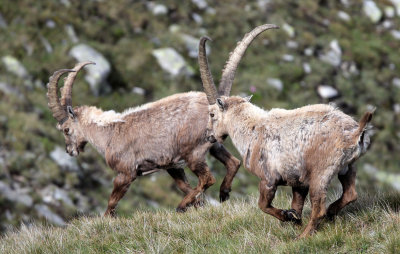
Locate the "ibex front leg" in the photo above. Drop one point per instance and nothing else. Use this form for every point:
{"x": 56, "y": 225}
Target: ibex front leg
{"x": 232, "y": 166}
{"x": 206, "y": 179}
{"x": 121, "y": 184}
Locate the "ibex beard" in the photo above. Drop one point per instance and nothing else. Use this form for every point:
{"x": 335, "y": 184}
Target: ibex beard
{"x": 303, "y": 148}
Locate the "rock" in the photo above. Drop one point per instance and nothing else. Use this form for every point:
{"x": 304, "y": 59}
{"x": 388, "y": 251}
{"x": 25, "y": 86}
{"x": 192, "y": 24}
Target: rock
{"x": 345, "y": 3}
{"x": 334, "y": 55}
{"x": 343, "y": 16}
{"x": 289, "y": 30}
{"x": 372, "y": 11}
{"x": 11, "y": 90}
{"x": 96, "y": 74}
{"x": 263, "y": 4}
{"x": 396, "y": 82}
{"x": 383, "y": 176}
{"x": 50, "y": 23}
{"x": 63, "y": 160}
{"x": 46, "y": 44}
{"x": 201, "y": 4}
{"x": 327, "y": 92}
{"x": 396, "y": 4}
{"x": 157, "y": 9}
{"x": 307, "y": 68}
{"x": 292, "y": 44}
{"x": 138, "y": 90}
{"x": 171, "y": 61}
{"x": 17, "y": 195}
{"x": 192, "y": 45}
{"x": 66, "y": 3}
{"x": 395, "y": 34}
{"x": 288, "y": 58}
{"x": 349, "y": 69}
{"x": 197, "y": 18}
{"x": 387, "y": 24}
{"x": 308, "y": 52}
{"x": 44, "y": 211}
{"x": 389, "y": 11}
{"x": 211, "y": 11}
{"x": 3, "y": 23}
{"x": 52, "y": 195}
{"x": 396, "y": 108}
{"x": 15, "y": 67}
{"x": 69, "y": 29}
{"x": 275, "y": 83}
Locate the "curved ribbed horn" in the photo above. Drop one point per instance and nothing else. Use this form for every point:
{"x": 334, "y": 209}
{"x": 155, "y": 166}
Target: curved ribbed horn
{"x": 54, "y": 103}
{"x": 228, "y": 74}
{"x": 66, "y": 91}
{"x": 206, "y": 76}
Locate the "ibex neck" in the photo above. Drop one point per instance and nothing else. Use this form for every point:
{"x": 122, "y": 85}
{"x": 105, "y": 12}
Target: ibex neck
{"x": 98, "y": 134}
{"x": 242, "y": 125}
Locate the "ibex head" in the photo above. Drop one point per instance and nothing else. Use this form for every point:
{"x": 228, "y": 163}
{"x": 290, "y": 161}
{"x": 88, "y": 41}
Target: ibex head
{"x": 218, "y": 100}
{"x": 63, "y": 111}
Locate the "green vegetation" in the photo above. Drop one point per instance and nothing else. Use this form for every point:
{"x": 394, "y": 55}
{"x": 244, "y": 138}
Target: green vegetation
{"x": 237, "y": 226}
{"x": 126, "y": 32}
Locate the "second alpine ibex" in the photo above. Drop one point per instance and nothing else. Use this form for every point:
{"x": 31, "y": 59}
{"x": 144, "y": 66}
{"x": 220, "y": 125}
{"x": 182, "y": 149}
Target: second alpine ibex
{"x": 303, "y": 148}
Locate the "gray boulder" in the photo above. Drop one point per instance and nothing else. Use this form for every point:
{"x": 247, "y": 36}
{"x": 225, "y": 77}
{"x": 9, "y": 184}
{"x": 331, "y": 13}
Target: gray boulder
{"x": 171, "y": 61}
{"x": 15, "y": 67}
{"x": 334, "y": 55}
{"x": 44, "y": 211}
{"x": 96, "y": 74}
{"x": 63, "y": 160}
{"x": 372, "y": 11}
{"x": 327, "y": 92}
{"x": 275, "y": 83}
{"x": 15, "y": 195}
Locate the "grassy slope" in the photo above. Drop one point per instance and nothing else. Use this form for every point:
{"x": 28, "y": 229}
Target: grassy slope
{"x": 368, "y": 226}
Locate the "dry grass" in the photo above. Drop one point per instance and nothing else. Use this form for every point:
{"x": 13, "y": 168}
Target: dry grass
{"x": 372, "y": 225}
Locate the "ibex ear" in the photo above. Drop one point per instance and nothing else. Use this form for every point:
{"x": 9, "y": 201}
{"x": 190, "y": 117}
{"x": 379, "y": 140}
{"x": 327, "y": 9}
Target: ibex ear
{"x": 221, "y": 104}
{"x": 248, "y": 98}
{"x": 71, "y": 112}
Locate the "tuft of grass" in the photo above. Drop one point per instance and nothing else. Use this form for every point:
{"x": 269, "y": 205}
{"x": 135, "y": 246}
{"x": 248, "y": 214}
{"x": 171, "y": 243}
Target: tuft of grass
{"x": 371, "y": 225}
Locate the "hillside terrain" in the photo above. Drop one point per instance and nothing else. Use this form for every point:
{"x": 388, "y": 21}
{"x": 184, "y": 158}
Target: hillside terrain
{"x": 342, "y": 52}
{"x": 238, "y": 226}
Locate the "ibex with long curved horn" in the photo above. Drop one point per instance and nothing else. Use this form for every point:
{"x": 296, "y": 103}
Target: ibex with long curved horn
{"x": 303, "y": 148}
{"x": 143, "y": 140}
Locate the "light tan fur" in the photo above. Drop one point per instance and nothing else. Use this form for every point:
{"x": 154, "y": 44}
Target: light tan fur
{"x": 303, "y": 148}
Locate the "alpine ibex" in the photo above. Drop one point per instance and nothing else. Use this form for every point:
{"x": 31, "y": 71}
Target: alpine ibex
{"x": 166, "y": 134}
{"x": 303, "y": 148}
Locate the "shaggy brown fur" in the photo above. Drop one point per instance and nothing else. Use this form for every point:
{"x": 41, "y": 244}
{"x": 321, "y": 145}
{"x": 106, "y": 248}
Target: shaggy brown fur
{"x": 303, "y": 148}
{"x": 164, "y": 135}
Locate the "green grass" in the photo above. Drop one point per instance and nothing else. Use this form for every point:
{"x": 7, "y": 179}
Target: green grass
{"x": 371, "y": 225}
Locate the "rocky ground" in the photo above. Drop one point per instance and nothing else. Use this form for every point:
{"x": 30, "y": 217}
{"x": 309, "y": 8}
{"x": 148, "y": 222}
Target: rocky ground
{"x": 342, "y": 52}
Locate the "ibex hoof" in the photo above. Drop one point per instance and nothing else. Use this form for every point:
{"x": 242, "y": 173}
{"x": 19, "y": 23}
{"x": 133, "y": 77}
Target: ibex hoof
{"x": 181, "y": 209}
{"x": 292, "y": 215}
{"x": 224, "y": 195}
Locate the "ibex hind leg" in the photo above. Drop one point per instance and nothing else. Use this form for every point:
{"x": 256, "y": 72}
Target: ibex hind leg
{"x": 232, "y": 166}
{"x": 121, "y": 184}
{"x": 349, "y": 195}
{"x": 178, "y": 174}
{"x": 299, "y": 196}
{"x": 267, "y": 194}
{"x": 206, "y": 179}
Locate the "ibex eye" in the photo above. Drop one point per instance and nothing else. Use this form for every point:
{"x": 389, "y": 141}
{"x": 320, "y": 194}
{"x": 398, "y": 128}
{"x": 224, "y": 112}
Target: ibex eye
{"x": 212, "y": 114}
{"x": 66, "y": 130}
